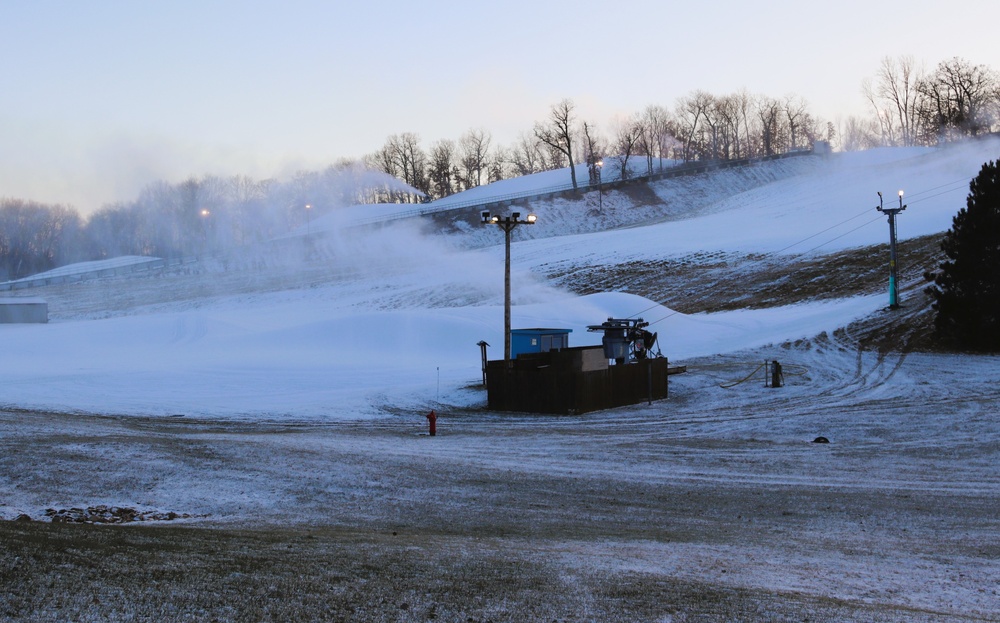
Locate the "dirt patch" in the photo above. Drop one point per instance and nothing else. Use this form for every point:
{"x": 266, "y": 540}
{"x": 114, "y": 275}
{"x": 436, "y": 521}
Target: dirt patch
{"x": 710, "y": 282}
{"x": 88, "y": 574}
{"x": 107, "y": 515}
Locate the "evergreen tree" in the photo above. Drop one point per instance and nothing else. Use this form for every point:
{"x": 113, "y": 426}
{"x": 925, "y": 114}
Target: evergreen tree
{"x": 967, "y": 287}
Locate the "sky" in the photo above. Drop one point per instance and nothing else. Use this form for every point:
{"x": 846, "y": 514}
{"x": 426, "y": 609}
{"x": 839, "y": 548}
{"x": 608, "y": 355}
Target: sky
{"x": 103, "y": 98}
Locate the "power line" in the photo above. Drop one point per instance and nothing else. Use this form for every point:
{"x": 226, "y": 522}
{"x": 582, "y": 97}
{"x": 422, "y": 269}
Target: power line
{"x": 762, "y": 260}
{"x": 823, "y": 231}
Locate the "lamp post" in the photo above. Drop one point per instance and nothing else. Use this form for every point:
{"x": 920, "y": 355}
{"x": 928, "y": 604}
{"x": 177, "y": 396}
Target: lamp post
{"x": 204, "y": 228}
{"x": 507, "y": 224}
{"x": 893, "y": 282}
{"x": 308, "y": 220}
{"x": 600, "y": 189}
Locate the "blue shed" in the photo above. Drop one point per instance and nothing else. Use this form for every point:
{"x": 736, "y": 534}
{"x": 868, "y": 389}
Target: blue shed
{"x": 538, "y": 340}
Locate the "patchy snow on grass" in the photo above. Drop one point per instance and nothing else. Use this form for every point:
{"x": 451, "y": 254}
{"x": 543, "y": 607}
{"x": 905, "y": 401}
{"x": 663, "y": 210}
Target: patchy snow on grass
{"x": 344, "y": 354}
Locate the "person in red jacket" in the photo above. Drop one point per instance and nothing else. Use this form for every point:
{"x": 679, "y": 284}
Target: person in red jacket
{"x": 432, "y": 419}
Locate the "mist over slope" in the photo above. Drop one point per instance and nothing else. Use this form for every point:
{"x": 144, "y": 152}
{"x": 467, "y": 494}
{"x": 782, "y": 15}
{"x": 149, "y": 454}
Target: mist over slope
{"x": 346, "y": 320}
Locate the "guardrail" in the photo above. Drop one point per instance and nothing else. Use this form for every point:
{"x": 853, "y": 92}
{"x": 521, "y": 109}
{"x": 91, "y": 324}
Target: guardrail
{"x": 111, "y": 271}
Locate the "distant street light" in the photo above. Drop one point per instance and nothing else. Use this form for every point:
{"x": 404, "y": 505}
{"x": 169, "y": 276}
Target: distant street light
{"x": 308, "y": 220}
{"x": 600, "y": 189}
{"x": 204, "y": 227}
{"x": 507, "y": 224}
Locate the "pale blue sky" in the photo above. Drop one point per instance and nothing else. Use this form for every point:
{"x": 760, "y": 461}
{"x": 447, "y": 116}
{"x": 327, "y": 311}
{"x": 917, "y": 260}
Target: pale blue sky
{"x": 100, "y": 98}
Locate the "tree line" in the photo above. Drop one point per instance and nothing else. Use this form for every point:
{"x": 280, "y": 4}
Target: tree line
{"x": 913, "y": 106}
{"x": 908, "y": 106}
{"x": 186, "y": 219}
{"x": 700, "y": 126}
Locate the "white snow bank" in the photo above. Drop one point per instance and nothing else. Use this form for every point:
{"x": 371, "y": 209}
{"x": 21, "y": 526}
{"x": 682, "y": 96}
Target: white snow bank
{"x": 284, "y": 359}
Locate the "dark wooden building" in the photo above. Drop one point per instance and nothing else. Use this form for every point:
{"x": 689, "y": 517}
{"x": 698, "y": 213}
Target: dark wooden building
{"x": 573, "y": 380}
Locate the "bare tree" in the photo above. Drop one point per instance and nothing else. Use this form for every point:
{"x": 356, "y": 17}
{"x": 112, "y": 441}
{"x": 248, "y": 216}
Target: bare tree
{"x": 884, "y": 118}
{"x": 768, "y": 112}
{"x": 713, "y": 129}
{"x": 246, "y": 197}
{"x": 628, "y": 133}
{"x": 858, "y": 134}
{"x": 412, "y": 160}
{"x": 895, "y": 99}
{"x": 743, "y": 105}
{"x": 439, "y": 170}
{"x": 526, "y": 156}
{"x": 160, "y": 212}
{"x": 655, "y": 122}
{"x": 474, "y": 149}
{"x": 36, "y": 237}
{"x": 554, "y": 158}
{"x": 114, "y": 230}
{"x": 727, "y": 113}
{"x": 958, "y": 99}
{"x": 797, "y": 118}
{"x": 558, "y": 131}
{"x": 690, "y": 115}
{"x": 498, "y": 166}
{"x": 384, "y": 159}
{"x": 402, "y": 157}
{"x": 592, "y": 150}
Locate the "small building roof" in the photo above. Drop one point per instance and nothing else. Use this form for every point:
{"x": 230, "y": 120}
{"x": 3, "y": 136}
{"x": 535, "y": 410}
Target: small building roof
{"x": 21, "y": 300}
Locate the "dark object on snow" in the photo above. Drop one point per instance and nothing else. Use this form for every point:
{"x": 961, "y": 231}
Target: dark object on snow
{"x": 642, "y": 343}
{"x": 821, "y": 440}
{"x": 777, "y": 376}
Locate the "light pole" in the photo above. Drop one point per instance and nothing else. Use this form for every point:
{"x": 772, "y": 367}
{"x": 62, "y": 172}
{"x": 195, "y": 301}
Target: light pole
{"x": 893, "y": 281}
{"x": 600, "y": 189}
{"x": 204, "y": 228}
{"x": 507, "y": 224}
{"x": 308, "y": 220}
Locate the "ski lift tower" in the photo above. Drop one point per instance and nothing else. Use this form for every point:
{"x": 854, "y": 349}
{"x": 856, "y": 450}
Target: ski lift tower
{"x": 893, "y": 279}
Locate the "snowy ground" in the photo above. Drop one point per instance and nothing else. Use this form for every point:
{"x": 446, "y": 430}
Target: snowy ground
{"x": 293, "y": 394}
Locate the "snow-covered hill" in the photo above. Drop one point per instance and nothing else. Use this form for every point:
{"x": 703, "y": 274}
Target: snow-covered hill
{"x": 369, "y": 317}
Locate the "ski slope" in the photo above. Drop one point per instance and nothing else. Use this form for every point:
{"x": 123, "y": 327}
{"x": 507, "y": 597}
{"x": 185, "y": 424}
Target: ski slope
{"x": 399, "y": 321}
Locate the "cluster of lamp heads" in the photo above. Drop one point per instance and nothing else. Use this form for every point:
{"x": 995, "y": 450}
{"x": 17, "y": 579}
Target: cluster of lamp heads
{"x": 514, "y": 217}
{"x": 880, "y": 207}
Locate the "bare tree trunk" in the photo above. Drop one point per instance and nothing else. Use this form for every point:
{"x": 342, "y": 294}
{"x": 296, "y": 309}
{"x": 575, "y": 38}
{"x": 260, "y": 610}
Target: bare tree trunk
{"x": 558, "y": 133}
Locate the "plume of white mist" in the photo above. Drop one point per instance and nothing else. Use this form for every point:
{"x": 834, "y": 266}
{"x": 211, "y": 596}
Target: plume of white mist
{"x": 234, "y": 216}
{"x": 417, "y": 267}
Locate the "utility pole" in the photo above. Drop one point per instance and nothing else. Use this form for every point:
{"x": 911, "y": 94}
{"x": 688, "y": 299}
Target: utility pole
{"x": 600, "y": 188}
{"x": 507, "y": 224}
{"x": 893, "y": 278}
